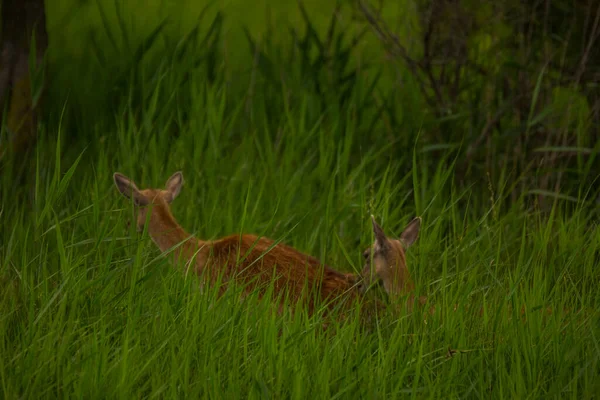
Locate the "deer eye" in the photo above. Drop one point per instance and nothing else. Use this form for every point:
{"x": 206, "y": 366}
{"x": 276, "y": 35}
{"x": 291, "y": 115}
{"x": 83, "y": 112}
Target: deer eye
{"x": 366, "y": 254}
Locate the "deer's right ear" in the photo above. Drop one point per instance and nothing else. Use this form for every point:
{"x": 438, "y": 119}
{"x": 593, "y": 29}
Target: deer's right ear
{"x": 128, "y": 189}
{"x": 380, "y": 239}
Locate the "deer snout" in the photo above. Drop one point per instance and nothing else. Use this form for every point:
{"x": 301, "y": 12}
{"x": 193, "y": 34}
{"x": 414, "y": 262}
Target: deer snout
{"x": 138, "y": 228}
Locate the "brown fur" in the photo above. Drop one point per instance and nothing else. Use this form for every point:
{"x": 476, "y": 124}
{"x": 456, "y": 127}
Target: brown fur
{"x": 258, "y": 262}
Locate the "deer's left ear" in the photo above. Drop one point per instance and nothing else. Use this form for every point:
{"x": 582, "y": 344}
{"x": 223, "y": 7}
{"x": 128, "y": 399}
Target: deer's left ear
{"x": 129, "y": 189}
{"x": 411, "y": 232}
{"x": 173, "y": 186}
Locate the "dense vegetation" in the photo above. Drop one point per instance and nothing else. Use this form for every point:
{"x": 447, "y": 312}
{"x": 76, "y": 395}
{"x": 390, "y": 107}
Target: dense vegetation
{"x": 297, "y": 122}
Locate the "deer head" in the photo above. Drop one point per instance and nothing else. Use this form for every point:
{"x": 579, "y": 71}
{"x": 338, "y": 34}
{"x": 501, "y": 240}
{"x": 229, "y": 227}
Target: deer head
{"x": 385, "y": 260}
{"x": 142, "y": 199}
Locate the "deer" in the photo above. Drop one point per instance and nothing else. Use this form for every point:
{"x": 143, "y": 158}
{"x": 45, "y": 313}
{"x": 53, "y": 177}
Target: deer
{"x": 257, "y": 261}
{"x": 385, "y": 262}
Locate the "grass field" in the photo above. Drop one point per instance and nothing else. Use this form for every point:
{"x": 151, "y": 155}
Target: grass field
{"x": 90, "y": 309}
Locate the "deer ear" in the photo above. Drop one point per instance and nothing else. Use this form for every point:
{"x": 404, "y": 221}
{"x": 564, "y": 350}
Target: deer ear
{"x": 173, "y": 186}
{"x": 411, "y": 232}
{"x": 128, "y": 189}
{"x": 380, "y": 238}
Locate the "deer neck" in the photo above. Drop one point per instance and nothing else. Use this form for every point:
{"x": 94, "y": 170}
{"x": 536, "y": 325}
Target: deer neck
{"x": 165, "y": 231}
{"x": 398, "y": 283}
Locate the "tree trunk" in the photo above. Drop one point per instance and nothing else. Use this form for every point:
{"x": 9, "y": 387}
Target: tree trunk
{"x": 21, "y": 19}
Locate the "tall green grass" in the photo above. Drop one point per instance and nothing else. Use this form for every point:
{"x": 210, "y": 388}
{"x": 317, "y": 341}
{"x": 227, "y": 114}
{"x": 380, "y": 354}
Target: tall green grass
{"x": 90, "y": 309}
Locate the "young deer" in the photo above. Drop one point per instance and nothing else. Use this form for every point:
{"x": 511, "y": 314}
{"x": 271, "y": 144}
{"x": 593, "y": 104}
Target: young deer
{"x": 258, "y": 261}
{"x": 388, "y": 257}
